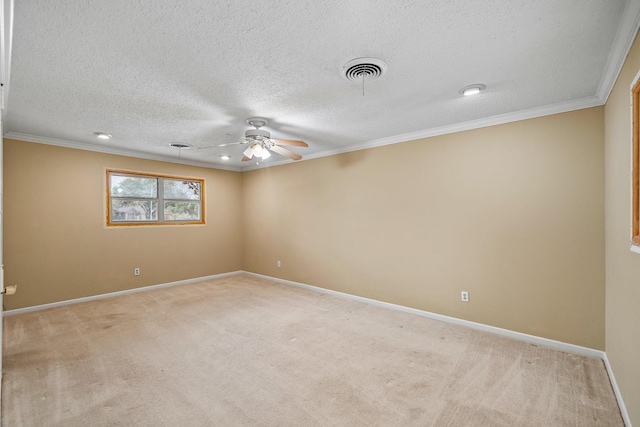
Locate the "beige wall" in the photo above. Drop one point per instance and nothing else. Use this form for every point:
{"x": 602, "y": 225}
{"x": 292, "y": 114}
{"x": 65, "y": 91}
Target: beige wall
{"x": 56, "y": 246}
{"x": 623, "y": 266}
{"x": 514, "y": 214}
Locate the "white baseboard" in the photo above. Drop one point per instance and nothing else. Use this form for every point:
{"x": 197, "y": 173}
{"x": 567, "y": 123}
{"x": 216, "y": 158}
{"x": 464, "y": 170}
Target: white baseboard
{"x": 616, "y": 390}
{"x": 115, "y": 294}
{"x": 558, "y": 345}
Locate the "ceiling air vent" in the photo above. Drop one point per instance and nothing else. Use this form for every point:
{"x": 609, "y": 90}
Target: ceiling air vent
{"x": 367, "y": 68}
{"x": 180, "y": 145}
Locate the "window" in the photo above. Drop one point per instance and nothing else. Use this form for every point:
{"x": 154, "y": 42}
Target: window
{"x": 143, "y": 199}
{"x": 635, "y": 164}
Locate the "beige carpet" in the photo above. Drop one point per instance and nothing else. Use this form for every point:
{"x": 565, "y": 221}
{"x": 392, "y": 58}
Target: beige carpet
{"x": 245, "y": 351}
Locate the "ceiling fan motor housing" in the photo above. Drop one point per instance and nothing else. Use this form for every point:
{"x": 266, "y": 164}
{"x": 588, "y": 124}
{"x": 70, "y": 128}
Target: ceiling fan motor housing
{"x": 257, "y": 134}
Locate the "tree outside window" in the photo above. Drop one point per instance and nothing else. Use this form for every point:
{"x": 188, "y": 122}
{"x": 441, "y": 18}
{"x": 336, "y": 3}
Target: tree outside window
{"x": 145, "y": 199}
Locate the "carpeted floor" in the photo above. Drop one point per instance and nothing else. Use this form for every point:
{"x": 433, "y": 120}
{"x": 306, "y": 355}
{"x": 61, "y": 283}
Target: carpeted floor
{"x": 246, "y": 351}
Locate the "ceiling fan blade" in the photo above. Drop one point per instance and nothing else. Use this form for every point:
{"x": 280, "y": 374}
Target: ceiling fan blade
{"x": 245, "y": 159}
{"x": 232, "y": 143}
{"x": 292, "y": 142}
{"x": 221, "y": 145}
{"x": 285, "y": 152}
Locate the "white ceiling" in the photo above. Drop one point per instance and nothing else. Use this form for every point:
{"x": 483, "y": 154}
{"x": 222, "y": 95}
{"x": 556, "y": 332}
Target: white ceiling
{"x": 156, "y": 72}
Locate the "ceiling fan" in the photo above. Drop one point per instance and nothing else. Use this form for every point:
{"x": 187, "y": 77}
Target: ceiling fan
{"x": 261, "y": 143}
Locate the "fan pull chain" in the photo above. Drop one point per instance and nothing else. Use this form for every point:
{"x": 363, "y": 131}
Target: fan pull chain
{"x": 362, "y": 84}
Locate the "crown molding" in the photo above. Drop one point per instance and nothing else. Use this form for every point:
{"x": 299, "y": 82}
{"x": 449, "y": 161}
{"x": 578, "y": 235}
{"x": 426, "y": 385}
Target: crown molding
{"x": 546, "y": 110}
{"x": 561, "y": 107}
{"x": 112, "y": 150}
{"x": 625, "y": 37}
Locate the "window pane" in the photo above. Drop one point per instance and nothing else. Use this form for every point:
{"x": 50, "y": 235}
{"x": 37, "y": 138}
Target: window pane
{"x": 143, "y": 199}
{"x": 129, "y": 186}
{"x": 183, "y": 190}
{"x": 181, "y": 211}
{"x": 134, "y": 210}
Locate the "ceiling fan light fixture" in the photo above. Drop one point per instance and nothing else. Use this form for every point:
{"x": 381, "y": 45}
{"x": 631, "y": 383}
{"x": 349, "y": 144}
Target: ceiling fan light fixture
{"x": 473, "y": 89}
{"x": 261, "y": 144}
{"x": 248, "y": 152}
{"x": 257, "y": 150}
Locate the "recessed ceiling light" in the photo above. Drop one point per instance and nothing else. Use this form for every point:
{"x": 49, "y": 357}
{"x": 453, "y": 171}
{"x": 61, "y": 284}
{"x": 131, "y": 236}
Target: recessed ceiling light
{"x": 103, "y": 135}
{"x": 225, "y": 157}
{"x": 180, "y": 145}
{"x": 472, "y": 89}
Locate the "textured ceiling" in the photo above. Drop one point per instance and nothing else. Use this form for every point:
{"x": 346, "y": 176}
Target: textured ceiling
{"x": 153, "y": 73}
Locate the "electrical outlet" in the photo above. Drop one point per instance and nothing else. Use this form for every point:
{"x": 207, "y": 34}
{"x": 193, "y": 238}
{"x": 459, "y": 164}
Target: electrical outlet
{"x": 278, "y": 264}
{"x": 136, "y": 271}
{"x": 464, "y": 296}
